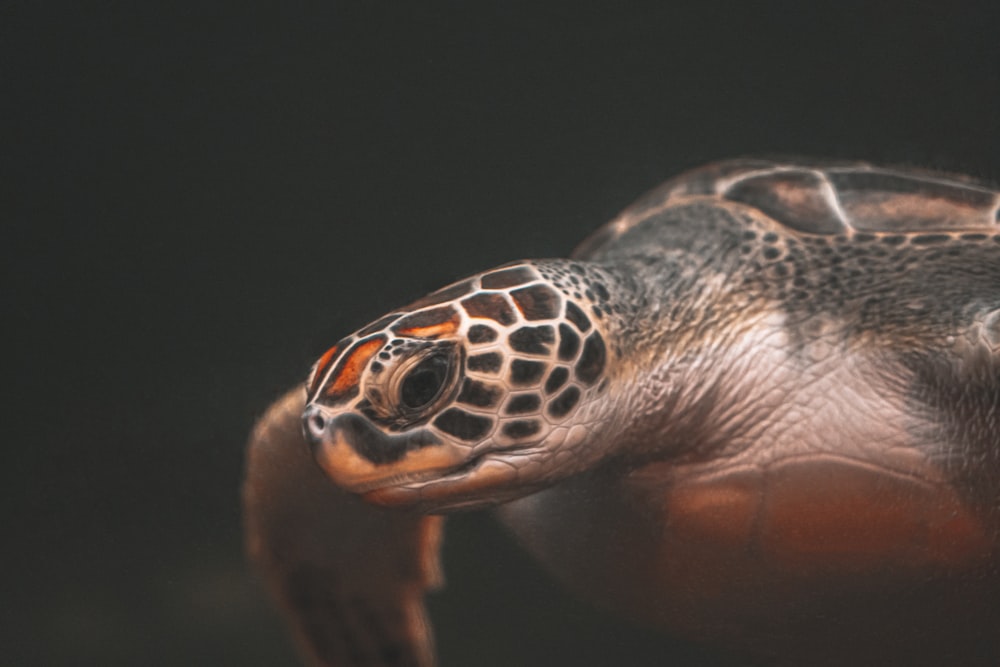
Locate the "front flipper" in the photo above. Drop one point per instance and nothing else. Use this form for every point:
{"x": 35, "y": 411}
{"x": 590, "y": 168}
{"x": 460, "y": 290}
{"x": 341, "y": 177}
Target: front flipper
{"x": 350, "y": 576}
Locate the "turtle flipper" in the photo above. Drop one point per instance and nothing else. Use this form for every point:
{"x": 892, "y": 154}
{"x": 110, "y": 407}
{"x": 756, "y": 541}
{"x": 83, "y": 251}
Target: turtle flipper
{"x": 350, "y": 576}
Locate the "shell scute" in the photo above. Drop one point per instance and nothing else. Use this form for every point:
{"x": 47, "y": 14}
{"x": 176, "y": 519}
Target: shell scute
{"x": 880, "y": 200}
{"x": 827, "y": 199}
{"x": 801, "y": 200}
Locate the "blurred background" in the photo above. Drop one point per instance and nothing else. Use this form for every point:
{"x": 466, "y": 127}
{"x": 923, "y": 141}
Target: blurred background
{"x": 197, "y": 201}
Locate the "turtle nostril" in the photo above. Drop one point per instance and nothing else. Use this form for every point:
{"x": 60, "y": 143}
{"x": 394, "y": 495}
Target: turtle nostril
{"x": 315, "y": 425}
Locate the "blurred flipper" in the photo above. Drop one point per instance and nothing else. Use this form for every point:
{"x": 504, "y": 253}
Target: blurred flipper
{"x": 350, "y": 576}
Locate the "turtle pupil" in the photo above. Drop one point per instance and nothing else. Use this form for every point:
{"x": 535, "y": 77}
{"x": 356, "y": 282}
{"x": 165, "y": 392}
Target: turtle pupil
{"x": 424, "y": 383}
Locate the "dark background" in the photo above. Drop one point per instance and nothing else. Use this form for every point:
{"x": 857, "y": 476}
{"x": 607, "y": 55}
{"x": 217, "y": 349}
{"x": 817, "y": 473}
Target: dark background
{"x": 198, "y": 201}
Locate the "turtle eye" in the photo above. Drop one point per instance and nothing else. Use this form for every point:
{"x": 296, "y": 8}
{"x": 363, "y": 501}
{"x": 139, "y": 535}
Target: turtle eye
{"x": 424, "y": 384}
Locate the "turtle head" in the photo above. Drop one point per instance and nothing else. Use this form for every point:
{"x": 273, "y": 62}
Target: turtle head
{"x": 478, "y": 393}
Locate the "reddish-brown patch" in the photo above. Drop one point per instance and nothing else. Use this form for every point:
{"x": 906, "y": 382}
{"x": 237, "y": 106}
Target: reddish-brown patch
{"x": 322, "y": 366}
{"x": 821, "y": 516}
{"x": 835, "y": 515}
{"x": 348, "y": 373}
{"x": 429, "y": 323}
{"x": 721, "y": 513}
{"x": 800, "y": 542}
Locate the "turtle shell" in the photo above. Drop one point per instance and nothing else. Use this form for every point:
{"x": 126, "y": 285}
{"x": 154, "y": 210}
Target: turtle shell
{"x": 824, "y": 199}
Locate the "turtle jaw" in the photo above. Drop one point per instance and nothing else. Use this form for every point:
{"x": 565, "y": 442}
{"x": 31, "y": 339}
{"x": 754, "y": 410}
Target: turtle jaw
{"x": 417, "y": 468}
{"x": 492, "y": 477}
{"x": 361, "y": 459}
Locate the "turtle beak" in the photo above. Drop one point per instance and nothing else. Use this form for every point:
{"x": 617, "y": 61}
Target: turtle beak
{"x": 359, "y": 457}
{"x": 341, "y": 462}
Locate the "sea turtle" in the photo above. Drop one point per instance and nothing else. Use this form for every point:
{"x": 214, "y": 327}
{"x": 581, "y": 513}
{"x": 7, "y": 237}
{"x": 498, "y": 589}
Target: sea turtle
{"x": 761, "y": 408}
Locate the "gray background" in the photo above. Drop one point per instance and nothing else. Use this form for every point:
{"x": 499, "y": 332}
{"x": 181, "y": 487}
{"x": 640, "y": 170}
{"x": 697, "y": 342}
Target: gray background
{"x": 198, "y": 201}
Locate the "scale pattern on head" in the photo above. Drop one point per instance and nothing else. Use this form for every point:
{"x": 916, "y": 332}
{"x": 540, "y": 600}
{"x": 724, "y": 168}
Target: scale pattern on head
{"x": 487, "y": 366}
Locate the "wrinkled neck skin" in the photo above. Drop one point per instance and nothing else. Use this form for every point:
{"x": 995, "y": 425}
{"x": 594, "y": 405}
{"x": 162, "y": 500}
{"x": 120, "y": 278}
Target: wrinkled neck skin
{"x": 691, "y": 352}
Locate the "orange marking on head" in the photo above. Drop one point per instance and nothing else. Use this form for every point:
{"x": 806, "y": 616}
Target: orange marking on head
{"x": 429, "y": 323}
{"x": 432, "y": 331}
{"x": 350, "y": 368}
{"x": 322, "y": 366}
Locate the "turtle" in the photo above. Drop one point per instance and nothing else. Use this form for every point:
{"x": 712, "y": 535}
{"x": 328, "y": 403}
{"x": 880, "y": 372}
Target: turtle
{"x": 760, "y": 409}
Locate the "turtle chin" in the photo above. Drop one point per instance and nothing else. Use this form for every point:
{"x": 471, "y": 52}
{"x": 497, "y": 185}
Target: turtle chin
{"x": 361, "y": 459}
{"x": 491, "y": 478}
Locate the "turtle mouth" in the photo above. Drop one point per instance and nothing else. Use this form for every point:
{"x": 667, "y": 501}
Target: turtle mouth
{"x": 360, "y": 459}
{"x": 409, "y": 487}
{"x": 417, "y": 479}
{"x": 408, "y": 468}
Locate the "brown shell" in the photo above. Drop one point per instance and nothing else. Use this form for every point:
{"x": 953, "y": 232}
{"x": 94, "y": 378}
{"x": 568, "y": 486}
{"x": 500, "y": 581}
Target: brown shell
{"x": 826, "y": 199}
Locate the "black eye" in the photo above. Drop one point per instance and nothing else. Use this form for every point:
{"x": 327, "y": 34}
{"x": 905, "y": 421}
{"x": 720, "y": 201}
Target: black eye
{"x": 424, "y": 383}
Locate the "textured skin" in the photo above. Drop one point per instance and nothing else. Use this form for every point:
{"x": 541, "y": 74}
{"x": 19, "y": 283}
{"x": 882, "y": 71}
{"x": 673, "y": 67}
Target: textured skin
{"x": 785, "y": 431}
